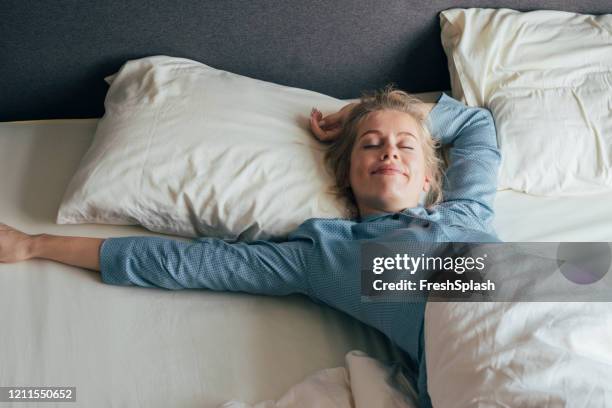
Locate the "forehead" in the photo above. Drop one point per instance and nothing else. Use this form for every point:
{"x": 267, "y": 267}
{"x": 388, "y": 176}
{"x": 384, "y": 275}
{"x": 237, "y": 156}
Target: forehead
{"x": 389, "y": 121}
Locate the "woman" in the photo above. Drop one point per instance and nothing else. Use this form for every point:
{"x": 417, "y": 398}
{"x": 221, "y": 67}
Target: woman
{"x": 385, "y": 164}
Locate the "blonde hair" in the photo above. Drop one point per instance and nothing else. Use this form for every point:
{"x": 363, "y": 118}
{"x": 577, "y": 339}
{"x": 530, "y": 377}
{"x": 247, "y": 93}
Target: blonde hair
{"x": 338, "y": 156}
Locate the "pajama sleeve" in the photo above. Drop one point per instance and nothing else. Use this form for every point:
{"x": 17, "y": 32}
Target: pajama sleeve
{"x": 259, "y": 267}
{"x": 470, "y": 181}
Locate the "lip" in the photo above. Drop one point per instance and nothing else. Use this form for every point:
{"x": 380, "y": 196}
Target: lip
{"x": 387, "y": 169}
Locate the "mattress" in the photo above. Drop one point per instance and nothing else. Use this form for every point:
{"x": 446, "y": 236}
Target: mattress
{"x": 137, "y": 347}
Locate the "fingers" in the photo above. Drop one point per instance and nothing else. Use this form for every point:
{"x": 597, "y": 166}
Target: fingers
{"x": 325, "y": 123}
{"x": 326, "y": 129}
{"x": 332, "y": 120}
{"x": 315, "y": 117}
{"x": 337, "y": 119}
{"x": 334, "y": 133}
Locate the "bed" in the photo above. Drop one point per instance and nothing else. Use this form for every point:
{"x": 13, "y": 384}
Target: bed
{"x": 127, "y": 347}
{"x": 152, "y": 348}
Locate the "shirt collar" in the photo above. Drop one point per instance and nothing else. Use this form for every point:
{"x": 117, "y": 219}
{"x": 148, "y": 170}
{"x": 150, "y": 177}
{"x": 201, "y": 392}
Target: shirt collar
{"x": 419, "y": 211}
{"x": 373, "y": 217}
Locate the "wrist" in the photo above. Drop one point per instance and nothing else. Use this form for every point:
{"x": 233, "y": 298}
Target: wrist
{"x": 35, "y": 246}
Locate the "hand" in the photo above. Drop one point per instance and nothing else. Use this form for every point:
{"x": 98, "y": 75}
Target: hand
{"x": 426, "y": 108}
{"x": 15, "y": 245}
{"x": 328, "y": 128}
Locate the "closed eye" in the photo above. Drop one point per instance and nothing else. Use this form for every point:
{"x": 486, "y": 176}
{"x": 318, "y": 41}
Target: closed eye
{"x": 407, "y": 147}
{"x": 370, "y": 146}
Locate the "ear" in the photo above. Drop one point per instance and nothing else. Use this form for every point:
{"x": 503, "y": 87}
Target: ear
{"x": 427, "y": 184}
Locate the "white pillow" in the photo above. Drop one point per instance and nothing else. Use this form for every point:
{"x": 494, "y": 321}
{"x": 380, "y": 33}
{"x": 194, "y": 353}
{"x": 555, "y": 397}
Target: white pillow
{"x": 190, "y": 150}
{"x": 547, "y": 78}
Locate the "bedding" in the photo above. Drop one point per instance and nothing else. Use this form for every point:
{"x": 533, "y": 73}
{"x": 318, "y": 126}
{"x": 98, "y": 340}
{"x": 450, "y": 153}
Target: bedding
{"x": 363, "y": 383}
{"x": 123, "y": 347}
{"x": 190, "y": 150}
{"x": 546, "y": 76}
{"x": 128, "y": 347}
{"x": 519, "y": 354}
{"x": 154, "y": 346}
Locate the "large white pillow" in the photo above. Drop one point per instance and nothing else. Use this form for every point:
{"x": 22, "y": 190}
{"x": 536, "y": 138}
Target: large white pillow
{"x": 190, "y": 150}
{"x": 547, "y": 78}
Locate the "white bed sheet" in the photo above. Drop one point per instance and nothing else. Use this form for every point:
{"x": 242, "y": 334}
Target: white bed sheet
{"x": 526, "y": 218}
{"x": 135, "y": 347}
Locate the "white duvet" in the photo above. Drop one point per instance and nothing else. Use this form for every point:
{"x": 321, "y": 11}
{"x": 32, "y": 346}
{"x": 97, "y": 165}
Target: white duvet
{"x": 519, "y": 354}
{"x": 364, "y": 382}
{"x": 482, "y": 355}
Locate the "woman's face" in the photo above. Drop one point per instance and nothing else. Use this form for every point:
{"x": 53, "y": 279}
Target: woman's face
{"x": 388, "y": 171}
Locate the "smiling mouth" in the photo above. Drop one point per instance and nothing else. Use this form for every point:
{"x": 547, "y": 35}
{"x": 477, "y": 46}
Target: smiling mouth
{"x": 388, "y": 172}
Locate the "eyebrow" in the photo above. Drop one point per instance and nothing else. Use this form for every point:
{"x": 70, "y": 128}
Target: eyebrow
{"x": 380, "y": 133}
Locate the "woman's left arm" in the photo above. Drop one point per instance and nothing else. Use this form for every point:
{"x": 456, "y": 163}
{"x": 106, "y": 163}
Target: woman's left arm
{"x": 470, "y": 182}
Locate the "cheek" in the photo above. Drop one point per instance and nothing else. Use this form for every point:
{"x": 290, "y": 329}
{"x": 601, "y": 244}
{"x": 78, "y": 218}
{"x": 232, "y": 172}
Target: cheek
{"x": 357, "y": 164}
{"x": 417, "y": 166}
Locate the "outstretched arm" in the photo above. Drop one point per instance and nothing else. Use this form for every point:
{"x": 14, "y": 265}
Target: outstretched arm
{"x": 261, "y": 267}
{"x": 17, "y": 246}
{"x": 258, "y": 267}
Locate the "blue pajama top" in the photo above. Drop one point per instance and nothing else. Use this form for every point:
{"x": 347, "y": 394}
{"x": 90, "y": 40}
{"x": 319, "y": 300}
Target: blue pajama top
{"x": 321, "y": 257}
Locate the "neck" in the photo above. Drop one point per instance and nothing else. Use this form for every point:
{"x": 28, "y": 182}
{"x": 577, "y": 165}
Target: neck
{"x": 366, "y": 211}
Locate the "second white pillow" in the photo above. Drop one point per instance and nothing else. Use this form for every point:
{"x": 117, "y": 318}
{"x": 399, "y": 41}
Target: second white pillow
{"x": 547, "y": 78}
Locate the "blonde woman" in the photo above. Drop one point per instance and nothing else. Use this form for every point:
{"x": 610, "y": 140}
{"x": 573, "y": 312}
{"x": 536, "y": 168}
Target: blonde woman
{"x": 385, "y": 165}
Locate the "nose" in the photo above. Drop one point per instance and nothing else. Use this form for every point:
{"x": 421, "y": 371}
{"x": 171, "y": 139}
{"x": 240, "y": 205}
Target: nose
{"x": 389, "y": 152}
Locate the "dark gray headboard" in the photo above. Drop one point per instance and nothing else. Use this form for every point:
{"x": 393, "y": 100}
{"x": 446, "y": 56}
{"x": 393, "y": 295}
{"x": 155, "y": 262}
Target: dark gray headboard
{"x": 54, "y": 55}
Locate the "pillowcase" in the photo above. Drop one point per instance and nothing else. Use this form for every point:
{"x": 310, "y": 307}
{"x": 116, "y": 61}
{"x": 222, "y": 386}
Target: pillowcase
{"x": 547, "y": 78}
{"x": 189, "y": 150}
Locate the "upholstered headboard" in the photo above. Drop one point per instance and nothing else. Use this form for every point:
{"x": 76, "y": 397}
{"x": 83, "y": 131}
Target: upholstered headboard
{"x": 54, "y": 55}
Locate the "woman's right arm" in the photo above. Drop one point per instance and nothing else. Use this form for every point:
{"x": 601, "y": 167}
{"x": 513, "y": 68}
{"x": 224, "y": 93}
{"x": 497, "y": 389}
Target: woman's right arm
{"x": 18, "y": 246}
{"x": 206, "y": 263}
{"x": 260, "y": 267}
{"x": 328, "y": 128}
